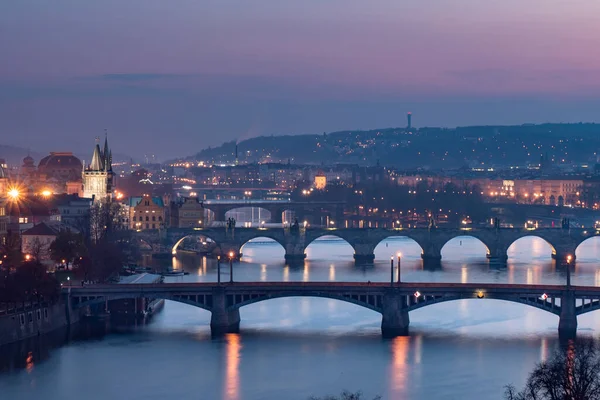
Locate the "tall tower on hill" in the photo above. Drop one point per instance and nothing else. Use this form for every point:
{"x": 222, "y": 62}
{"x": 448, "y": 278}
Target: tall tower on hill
{"x": 409, "y": 120}
{"x": 98, "y": 175}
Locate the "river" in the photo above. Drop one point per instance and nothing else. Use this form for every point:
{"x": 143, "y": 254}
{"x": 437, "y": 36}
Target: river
{"x": 292, "y": 348}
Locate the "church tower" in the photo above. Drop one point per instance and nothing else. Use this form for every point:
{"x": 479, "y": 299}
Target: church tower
{"x": 98, "y": 175}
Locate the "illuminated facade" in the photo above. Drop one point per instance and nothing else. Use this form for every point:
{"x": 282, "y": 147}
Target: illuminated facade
{"x": 98, "y": 176}
{"x": 320, "y": 181}
{"x": 147, "y": 212}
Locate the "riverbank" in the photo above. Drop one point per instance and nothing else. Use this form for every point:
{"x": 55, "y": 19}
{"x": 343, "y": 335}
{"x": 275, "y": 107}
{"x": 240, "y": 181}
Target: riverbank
{"x": 23, "y": 323}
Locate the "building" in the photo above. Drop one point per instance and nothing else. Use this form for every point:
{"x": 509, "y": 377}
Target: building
{"x": 36, "y": 241}
{"x": 549, "y": 191}
{"x": 59, "y": 172}
{"x": 147, "y": 212}
{"x": 320, "y": 181}
{"x": 3, "y": 222}
{"x": 98, "y": 176}
{"x": 3, "y": 182}
{"x": 188, "y": 212}
{"x": 70, "y": 210}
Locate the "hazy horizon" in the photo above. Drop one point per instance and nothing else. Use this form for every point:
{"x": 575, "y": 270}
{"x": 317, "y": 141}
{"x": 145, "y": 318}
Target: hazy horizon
{"x": 171, "y": 79}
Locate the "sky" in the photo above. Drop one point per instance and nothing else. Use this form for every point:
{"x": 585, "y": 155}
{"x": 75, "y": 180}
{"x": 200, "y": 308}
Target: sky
{"x": 172, "y": 77}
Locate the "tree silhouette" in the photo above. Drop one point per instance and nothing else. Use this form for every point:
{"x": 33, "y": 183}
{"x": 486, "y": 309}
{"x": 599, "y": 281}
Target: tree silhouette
{"x": 571, "y": 374}
{"x": 345, "y": 395}
{"x": 67, "y": 247}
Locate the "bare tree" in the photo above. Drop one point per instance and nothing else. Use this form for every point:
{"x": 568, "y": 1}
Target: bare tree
{"x": 571, "y": 374}
{"x": 104, "y": 219}
{"x": 38, "y": 249}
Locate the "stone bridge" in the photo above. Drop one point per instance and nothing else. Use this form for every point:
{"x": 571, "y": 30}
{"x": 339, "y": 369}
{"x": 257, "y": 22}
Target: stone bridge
{"x": 564, "y": 242}
{"x": 393, "y": 300}
{"x": 302, "y": 210}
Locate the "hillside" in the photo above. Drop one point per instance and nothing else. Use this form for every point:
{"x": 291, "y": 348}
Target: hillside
{"x": 424, "y": 147}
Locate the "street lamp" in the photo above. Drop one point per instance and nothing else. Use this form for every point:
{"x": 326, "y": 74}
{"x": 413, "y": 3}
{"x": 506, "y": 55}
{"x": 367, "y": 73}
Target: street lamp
{"x": 219, "y": 270}
{"x": 14, "y": 194}
{"x": 231, "y": 267}
{"x": 399, "y": 271}
{"x": 392, "y": 271}
{"x": 569, "y": 258}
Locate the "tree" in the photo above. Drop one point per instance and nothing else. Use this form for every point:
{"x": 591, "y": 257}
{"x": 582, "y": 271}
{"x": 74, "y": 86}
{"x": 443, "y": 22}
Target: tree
{"x": 38, "y": 249}
{"x": 103, "y": 220}
{"x": 30, "y": 282}
{"x": 10, "y": 252}
{"x": 571, "y": 374}
{"x": 345, "y": 395}
{"x": 67, "y": 247}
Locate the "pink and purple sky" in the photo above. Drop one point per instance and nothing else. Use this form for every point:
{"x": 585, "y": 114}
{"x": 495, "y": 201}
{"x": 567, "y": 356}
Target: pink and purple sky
{"x": 172, "y": 77}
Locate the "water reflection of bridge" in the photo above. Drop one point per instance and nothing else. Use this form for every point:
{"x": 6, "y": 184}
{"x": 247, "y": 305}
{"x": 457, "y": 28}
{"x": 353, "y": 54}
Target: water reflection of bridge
{"x": 563, "y": 242}
{"x": 393, "y": 300}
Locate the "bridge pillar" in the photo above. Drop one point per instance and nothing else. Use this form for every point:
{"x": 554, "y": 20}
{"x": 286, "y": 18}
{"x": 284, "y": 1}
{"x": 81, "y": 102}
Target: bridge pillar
{"x": 364, "y": 252}
{"x": 497, "y": 254}
{"x": 395, "y": 319}
{"x": 223, "y": 319}
{"x": 295, "y": 246}
{"x": 567, "y": 324}
{"x": 431, "y": 254}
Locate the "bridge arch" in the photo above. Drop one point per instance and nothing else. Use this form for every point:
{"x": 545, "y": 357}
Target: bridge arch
{"x": 200, "y": 233}
{"x": 371, "y": 302}
{"x": 313, "y": 237}
{"x": 592, "y": 245}
{"x": 253, "y": 214}
{"x": 397, "y": 243}
{"x": 483, "y": 246}
{"x": 534, "y": 302}
{"x": 178, "y": 298}
{"x": 535, "y": 248}
{"x": 270, "y": 238}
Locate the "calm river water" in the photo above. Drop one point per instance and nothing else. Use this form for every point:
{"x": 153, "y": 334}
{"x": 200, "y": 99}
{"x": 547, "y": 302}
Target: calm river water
{"x": 293, "y": 348}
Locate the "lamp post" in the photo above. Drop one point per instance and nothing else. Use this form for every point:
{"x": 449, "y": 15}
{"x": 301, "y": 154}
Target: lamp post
{"x": 399, "y": 270}
{"x": 392, "y": 271}
{"x": 231, "y": 267}
{"x": 14, "y": 195}
{"x": 569, "y": 258}
{"x": 219, "y": 270}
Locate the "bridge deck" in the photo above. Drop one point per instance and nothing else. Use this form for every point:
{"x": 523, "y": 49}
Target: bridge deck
{"x": 329, "y": 285}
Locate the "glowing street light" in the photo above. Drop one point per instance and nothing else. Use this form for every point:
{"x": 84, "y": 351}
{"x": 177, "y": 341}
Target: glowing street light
{"x": 399, "y": 255}
{"x": 231, "y": 267}
{"x": 14, "y": 193}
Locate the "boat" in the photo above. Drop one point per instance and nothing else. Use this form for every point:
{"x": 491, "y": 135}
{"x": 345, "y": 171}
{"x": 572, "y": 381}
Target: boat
{"x": 174, "y": 273}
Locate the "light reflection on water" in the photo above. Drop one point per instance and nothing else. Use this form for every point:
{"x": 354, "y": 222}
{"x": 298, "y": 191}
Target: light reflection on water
{"x": 297, "y": 347}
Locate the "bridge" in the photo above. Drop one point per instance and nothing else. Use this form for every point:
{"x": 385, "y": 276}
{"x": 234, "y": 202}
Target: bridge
{"x": 393, "y": 300}
{"x": 303, "y": 210}
{"x": 563, "y": 242}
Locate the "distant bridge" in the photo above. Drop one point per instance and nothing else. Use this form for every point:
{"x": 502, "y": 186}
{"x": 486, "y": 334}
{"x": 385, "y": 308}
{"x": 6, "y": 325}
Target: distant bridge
{"x": 302, "y": 209}
{"x": 393, "y": 300}
{"x": 563, "y": 242}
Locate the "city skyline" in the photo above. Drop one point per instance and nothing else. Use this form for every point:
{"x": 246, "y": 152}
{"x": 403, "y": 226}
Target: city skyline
{"x": 163, "y": 78}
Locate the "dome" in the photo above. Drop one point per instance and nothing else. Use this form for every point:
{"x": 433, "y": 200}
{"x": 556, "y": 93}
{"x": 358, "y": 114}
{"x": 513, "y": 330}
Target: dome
{"x": 60, "y": 165}
{"x": 28, "y": 161}
{"x": 60, "y": 161}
